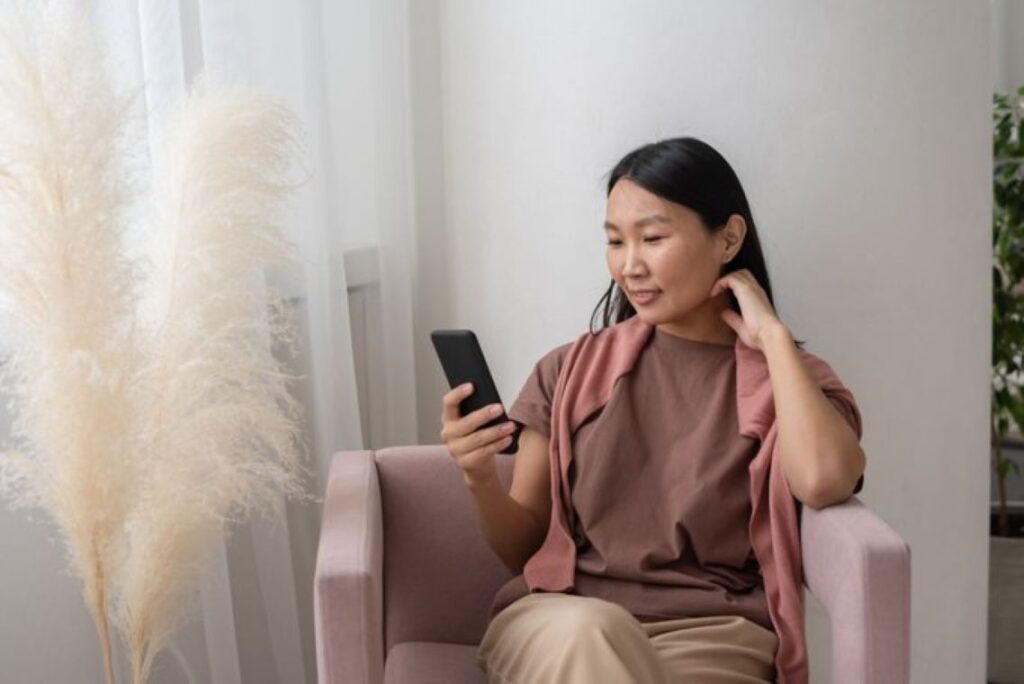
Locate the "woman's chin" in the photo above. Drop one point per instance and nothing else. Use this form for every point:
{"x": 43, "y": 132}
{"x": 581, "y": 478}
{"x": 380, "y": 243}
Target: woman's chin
{"x": 648, "y": 316}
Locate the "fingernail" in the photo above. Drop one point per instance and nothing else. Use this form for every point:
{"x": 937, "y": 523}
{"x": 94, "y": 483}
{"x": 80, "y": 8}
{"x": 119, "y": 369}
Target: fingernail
{"x": 496, "y": 410}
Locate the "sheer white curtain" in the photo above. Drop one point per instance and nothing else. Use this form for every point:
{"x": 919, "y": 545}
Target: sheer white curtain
{"x": 342, "y": 68}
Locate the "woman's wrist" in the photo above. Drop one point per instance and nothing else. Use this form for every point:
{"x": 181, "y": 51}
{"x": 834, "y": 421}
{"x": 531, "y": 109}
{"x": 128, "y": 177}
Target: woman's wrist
{"x": 478, "y": 480}
{"x": 776, "y": 333}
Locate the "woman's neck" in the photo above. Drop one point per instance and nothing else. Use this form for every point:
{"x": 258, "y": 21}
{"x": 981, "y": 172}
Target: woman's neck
{"x": 704, "y": 324}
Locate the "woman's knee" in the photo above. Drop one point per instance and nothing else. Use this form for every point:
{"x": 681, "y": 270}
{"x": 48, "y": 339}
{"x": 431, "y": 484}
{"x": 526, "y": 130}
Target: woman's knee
{"x": 569, "y": 638}
{"x": 581, "y": 616}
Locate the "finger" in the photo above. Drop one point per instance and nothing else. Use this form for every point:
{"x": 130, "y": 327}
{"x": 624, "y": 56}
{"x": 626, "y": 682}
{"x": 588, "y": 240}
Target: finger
{"x": 481, "y": 416}
{"x": 477, "y": 439}
{"x": 461, "y": 427}
{"x": 733, "y": 319}
{"x": 487, "y": 450}
{"x": 450, "y": 413}
{"x": 741, "y": 281}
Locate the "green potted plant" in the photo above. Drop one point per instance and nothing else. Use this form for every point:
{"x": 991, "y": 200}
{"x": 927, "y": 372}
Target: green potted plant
{"x": 1006, "y": 548}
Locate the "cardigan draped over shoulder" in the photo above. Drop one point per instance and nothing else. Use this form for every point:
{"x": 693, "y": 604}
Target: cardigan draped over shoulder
{"x": 588, "y": 373}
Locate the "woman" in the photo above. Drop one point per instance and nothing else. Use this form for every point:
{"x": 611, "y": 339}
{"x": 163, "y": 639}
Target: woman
{"x": 669, "y": 446}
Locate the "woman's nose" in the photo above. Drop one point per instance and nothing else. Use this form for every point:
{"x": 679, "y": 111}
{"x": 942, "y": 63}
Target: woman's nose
{"x": 633, "y": 265}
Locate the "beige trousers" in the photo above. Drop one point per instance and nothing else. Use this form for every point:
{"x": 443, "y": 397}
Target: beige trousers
{"x": 554, "y": 638}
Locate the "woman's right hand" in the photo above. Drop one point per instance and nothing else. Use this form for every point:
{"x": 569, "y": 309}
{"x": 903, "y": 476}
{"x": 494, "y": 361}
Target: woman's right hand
{"x": 471, "y": 447}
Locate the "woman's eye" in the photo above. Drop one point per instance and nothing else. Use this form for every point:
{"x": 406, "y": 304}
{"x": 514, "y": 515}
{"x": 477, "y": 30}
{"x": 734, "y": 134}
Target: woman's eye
{"x": 615, "y": 243}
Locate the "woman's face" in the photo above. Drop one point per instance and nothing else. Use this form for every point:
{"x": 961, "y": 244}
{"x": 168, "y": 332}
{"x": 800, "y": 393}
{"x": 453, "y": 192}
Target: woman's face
{"x": 655, "y": 244}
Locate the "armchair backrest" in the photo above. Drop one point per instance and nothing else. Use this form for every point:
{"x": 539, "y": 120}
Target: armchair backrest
{"x": 439, "y": 572}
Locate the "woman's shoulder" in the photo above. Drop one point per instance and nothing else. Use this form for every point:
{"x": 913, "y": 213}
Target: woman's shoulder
{"x": 551, "y": 361}
{"x": 821, "y": 369}
{"x": 533, "y": 404}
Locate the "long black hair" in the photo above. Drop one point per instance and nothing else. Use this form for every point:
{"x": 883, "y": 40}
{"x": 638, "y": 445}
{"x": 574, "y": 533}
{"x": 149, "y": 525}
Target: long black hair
{"x": 690, "y": 172}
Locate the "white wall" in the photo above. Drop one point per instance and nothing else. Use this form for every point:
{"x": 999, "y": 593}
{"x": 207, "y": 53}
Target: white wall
{"x": 1007, "y": 22}
{"x": 861, "y": 132}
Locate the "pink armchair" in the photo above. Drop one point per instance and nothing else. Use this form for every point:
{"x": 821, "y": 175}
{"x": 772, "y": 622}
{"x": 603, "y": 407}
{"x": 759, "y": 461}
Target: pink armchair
{"x": 404, "y": 576}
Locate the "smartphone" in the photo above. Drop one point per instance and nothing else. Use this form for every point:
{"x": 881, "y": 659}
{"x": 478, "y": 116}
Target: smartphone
{"x": 463, "y": 361}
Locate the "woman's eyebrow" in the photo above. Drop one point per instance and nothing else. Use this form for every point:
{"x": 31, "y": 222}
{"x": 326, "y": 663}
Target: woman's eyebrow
{"x": 645, "y": 221}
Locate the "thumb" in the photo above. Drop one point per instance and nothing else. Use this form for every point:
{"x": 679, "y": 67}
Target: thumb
{"x": 733, "y": 319}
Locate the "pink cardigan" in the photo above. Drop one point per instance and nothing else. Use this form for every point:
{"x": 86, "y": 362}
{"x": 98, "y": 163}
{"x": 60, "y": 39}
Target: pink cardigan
{"x": 584, "y": 385}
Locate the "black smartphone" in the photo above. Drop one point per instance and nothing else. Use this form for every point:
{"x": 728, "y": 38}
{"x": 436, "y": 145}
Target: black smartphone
{"x": 463, "y": 361}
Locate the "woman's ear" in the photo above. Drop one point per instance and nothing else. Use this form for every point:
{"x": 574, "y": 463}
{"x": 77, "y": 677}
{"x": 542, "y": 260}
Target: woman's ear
{"x": 734, "y": 232}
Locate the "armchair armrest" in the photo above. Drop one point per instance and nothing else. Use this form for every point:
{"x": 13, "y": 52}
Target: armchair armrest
{"x": 859, "y": 569}
{"x": 348, "y": 588}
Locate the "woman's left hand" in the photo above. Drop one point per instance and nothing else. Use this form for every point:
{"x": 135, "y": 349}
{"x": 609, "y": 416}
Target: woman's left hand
{"x": 758, "y": 315}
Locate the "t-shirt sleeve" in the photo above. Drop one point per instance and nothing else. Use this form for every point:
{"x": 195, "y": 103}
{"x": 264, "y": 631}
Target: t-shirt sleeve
{"x": 533, "y": 405}
{"x": 852, "y": 417}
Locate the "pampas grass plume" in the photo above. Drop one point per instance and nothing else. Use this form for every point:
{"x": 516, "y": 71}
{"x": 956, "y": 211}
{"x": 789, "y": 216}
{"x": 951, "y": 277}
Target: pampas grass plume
{"x": 219, "y": 433}
{"x": 150, "y": 411}
{"x": 67, "y": 292}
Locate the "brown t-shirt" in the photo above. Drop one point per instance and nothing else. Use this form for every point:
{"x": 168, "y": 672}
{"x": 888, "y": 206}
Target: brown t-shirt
{"x": 659, "y": 485}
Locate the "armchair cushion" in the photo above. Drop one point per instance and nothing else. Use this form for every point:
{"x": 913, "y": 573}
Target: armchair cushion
{"x": 439, "y": 571}
{"x": 419, "y": 662}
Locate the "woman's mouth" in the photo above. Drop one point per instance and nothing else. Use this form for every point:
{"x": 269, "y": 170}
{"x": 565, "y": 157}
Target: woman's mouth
{"x": 644, "y": 296}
